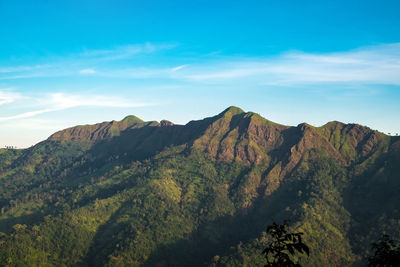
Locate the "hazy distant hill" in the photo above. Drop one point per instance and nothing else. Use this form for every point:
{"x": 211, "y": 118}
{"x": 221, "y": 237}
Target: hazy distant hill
{"x": 130, "y": 193}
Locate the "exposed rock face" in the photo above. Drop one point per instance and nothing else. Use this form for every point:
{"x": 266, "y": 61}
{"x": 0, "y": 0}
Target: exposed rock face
{"x": 97, "y": 131}
{"x": 164, "y": 123}
{"x": 234, "y": 135}
{"x": 124, "y": 189}
{"x": 237, "y": 136}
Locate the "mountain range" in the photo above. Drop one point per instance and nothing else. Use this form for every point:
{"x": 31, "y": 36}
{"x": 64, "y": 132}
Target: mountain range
{"x": 136, "y": 193}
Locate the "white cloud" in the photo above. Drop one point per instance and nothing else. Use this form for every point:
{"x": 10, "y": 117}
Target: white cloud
{"x": 7, "y": 97}
{"x": 87, "y": 71}
{"x": 61, "y": 101}
{"x": 26, "y": 114}
{"x": 126, "y": 51}
{"x": 14, "y": 69}
{"x": 369, "y": 65}
{"x": 73, "y": 64}
{"x": 178, "y": 68}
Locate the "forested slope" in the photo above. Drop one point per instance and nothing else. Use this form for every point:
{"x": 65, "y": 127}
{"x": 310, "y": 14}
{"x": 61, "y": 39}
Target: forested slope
{"x": 146, "y": 193}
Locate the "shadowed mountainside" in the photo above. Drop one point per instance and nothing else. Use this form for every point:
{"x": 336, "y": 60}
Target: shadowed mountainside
{"x": 136, "y": 193}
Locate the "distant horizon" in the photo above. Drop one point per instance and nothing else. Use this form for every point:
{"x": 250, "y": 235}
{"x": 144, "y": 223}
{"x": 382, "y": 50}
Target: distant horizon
{"x": 69, "y": 63}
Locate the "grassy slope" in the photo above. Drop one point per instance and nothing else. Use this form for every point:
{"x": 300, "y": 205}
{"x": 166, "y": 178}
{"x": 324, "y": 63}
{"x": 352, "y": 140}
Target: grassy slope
{"x": 180, "y": 195}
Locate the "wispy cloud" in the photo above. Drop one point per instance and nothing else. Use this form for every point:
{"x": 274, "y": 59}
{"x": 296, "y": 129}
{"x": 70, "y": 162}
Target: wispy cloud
{"x": 126, "y": 51}
{"x": 178, "y": 68}
{"x": 7, "y": 97}
{"x": 87, "y": 71}
{"x": 138, "y": 73}
{"x": 78, "y": 63}
{"x": 369, "y": 65}
{"x": 26, "y": 114}
{"x": 15, "y": 69}
{"x": 61, "y": 101}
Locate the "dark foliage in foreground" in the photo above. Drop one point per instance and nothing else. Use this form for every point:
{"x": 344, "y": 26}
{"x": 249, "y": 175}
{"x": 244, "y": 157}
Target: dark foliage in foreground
{"x": 284, "y": 245}
{"x": 386, "y": 253}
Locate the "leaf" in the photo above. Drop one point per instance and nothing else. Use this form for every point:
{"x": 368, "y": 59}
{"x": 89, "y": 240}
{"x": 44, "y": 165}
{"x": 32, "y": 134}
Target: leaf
{"x": 290, "y": 248}
{"x": 266, "y": 250}
{"x": 307, "y": 250}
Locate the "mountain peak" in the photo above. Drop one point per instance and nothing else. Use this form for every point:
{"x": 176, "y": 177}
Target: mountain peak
{"x": 96, "y": 132}
{"x": 166, "y": 123}
{"x": 131, "y": 119}
{"x": 236, "y": 168}
{"x": 232, "y": 110}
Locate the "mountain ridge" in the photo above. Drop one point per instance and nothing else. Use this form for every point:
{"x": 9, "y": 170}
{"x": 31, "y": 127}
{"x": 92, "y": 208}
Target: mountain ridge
{"x": 239, "y": 122}
{"x": 152, "y": 193}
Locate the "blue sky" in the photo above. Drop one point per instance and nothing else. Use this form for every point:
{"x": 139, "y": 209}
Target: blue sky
{"x": 64, "y": 63}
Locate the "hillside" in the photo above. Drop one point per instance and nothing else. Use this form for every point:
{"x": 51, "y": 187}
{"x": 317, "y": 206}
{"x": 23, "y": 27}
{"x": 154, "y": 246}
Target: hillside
{"x": 135, "y": 193}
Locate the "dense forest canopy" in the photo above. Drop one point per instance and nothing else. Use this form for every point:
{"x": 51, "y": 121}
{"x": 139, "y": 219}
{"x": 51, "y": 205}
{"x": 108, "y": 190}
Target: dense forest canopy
{"x": 147, "y": 193}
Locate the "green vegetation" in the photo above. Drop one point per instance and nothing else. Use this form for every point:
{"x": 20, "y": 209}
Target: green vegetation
{"x": 146, "y": 193}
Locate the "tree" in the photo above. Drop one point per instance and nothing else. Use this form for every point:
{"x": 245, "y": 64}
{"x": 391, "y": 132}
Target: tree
{"x": 284, "y": 246}
{"x": 387, "y": 253}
